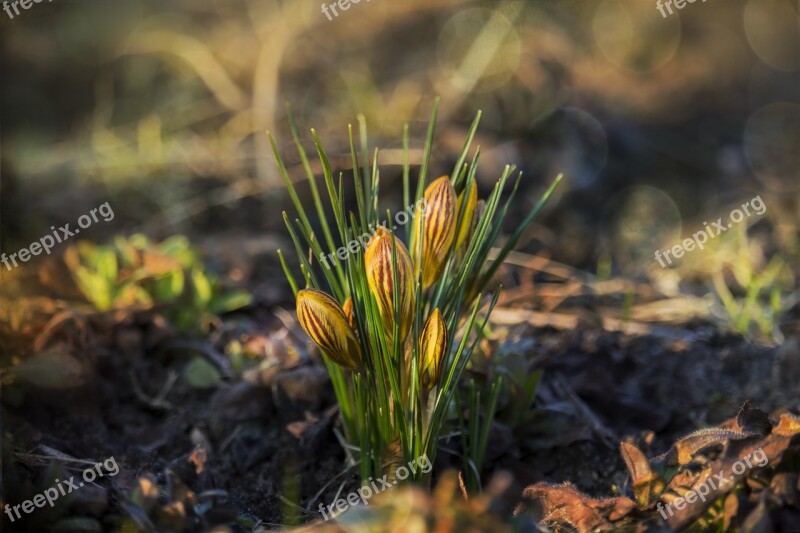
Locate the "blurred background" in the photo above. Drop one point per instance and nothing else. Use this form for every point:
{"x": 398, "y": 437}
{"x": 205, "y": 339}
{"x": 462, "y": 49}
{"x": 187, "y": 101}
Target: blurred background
{"x": 160, "y": 108}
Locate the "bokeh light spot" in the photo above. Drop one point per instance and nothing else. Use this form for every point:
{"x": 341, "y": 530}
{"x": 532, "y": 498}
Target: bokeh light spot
{"x": 634, "y": 35}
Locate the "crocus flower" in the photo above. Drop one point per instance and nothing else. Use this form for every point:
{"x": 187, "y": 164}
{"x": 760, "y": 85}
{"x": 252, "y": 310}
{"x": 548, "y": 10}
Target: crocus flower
{"x": 437, "y": 229}
{"x": 433, "y": 348}
{"x": 347, "y": 308}
{"x": 382, "y": 283}
{"x": 324, "y": 320}
{"x": 465, "y": 224}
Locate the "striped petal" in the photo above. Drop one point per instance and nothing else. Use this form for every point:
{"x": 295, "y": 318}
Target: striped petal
{"x": 378, "y": 262}
{"x": 437, "y": 229}
{"x": 324, "y": 320}
{"x": 465, "y": 215}
{"x": 433, "y": 347}
{"x": 347, "y": 308}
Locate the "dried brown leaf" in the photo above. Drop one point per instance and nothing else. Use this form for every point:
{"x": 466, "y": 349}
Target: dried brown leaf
{"x": 788, "y": 425}
{"x": 638, "y": 465}
{"x": 563, "y": 505}
{"x": 641, "y": 474}
{"x": 696, "y": 441}
{"x": 772, "y": 447}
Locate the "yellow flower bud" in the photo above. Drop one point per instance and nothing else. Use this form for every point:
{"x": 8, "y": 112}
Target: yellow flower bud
{"x": 347, "y": 308}
{"x": 324, "y": 320}
{"x": 433, "y": 348}
{"x": 465, "y": 219}
{"x": 378, "y": 262}
{"x": 437, "y": 229}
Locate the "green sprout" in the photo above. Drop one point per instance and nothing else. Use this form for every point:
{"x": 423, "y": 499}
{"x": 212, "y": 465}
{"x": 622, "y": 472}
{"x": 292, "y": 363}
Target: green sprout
{"x": 755, "y": 311}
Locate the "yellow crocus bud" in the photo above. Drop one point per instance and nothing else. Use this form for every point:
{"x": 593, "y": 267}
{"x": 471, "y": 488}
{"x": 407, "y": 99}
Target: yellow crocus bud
{"x": 347, "y": 308}
{"x": 378, "y": 262}
{"x": 324, "y": 320}
{"x": 433, "y": 348}
{"x": 465, "y": 217}
{"x": 437, "y": 229}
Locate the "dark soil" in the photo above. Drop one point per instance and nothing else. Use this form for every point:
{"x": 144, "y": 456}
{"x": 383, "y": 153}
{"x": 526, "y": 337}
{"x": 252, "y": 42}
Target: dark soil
{"x": 269, "y": 434}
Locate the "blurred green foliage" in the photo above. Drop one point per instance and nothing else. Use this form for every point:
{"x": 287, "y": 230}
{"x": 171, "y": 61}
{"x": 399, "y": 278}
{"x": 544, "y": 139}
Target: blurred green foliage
{"x": 133, "y": 271}
{"x": 758, "y": 293}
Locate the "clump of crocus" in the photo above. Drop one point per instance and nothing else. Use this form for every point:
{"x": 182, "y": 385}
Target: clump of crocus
{"x": 402, "y": 307}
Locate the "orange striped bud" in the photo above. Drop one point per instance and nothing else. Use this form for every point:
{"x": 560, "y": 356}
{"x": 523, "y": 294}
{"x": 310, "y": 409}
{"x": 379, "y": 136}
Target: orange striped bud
{"x": 347, "y": 308}
{"x": 436, "y": 228}
{"x": 324, "y": 320}
{"x": 382, "y": 284}
{"x": 465, "y": 216}
{"x": 433, "y": 348}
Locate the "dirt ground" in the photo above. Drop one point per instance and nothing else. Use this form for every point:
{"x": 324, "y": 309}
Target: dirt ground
{"x": 221, "y": 416}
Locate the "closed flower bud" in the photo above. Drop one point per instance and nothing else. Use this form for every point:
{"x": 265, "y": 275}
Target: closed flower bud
{"x": 378, "y": 261}
{"x": 433, "y": 348}
{"x": 324, "y": 320}
{"x": 347, "y": 308}
{"x": 465, "y": 217}
{"x": 437, "y": 229}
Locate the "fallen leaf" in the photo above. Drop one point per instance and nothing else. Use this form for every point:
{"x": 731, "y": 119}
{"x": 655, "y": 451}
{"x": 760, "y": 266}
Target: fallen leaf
{"x": 687, "y": 446}
{"x": 563, "y": 505}
{"x": 639, "y": 468}
{"x": 788, "y": 425}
